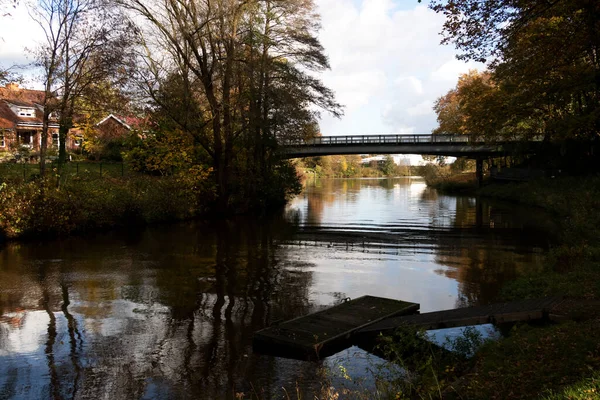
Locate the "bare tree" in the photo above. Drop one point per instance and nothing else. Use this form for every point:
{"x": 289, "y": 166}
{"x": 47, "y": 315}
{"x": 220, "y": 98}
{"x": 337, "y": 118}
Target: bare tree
{"x": 86, "y": 42}
{"x": 50, "y": 15}
{"x": 5, "y": 6}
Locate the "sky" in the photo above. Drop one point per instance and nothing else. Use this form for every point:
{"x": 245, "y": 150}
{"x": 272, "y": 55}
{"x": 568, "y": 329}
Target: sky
{"x": 387, "y": 64}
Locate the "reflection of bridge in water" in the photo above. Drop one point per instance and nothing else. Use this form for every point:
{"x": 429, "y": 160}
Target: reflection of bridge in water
{"x": 435, "y": 145}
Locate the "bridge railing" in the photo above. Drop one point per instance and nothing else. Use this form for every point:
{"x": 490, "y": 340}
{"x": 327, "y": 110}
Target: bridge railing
{"x": 380, "y": 139}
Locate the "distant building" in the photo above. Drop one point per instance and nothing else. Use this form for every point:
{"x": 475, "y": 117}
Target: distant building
{"x": 21, "y": 114}
{"x": 380, "y": 159}
{"x": 112, "y": 127}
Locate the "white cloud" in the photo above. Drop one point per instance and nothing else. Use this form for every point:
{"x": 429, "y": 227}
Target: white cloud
{"x": 387, "y": 65}
{"x": 423, "y": 108}
{"x": 451, "y": 70}
{"x": 410, "y": 82}
{"x": 355, "y": 89}
{"x": 18, "y": 34}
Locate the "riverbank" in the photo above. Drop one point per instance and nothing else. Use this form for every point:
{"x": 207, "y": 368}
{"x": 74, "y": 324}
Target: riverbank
{"x": 556, "y": 361}
{"x": 364, "y": 172}
{"x": 85, "y": 203}
{"x": 85, "y": 197}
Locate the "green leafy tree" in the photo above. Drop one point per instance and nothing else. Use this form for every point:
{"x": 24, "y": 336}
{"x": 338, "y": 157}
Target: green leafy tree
{"x": 389, "y": 166}
{"x": 544, "y": 59}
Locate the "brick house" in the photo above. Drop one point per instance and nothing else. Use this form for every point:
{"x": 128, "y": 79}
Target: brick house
{"x": 112, "y": 127}
{"x": 21, "y": 114}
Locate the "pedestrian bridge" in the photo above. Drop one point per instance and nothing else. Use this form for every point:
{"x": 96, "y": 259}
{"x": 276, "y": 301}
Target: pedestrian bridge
{"x": 435, "y": 145}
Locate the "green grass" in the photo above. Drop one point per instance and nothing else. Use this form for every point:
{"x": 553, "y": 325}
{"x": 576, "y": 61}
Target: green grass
{"x": 458, "y": 184}
{"x": 585, "y": 389}
{"x": 536, "y": 362}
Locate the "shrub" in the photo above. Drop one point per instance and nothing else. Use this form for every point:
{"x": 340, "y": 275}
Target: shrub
{"x": 83, "y": 203}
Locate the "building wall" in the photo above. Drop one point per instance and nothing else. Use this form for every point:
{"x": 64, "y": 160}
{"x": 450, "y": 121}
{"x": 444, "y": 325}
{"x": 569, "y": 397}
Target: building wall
{"x": 10, "y": 140}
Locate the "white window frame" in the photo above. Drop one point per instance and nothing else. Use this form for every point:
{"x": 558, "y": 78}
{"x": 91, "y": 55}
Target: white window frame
{"x": 2, "y": 138}
{"x": 27, "y": 112}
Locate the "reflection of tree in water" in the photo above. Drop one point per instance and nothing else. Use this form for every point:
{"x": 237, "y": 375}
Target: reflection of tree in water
{"x": 318, "y": 199}
{"x": 172, "y": 314}
{"x": 326, "y": 192}
{"x": 488, "y": 248}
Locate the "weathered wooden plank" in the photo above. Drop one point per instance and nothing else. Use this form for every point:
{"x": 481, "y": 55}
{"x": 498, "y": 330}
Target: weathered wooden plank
{"x": 325, "y": 332}
{"x": 526, "y": 310}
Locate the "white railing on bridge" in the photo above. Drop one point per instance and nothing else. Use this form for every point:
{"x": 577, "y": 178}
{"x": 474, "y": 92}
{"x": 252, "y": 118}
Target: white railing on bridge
{"x": 380, "y": 139}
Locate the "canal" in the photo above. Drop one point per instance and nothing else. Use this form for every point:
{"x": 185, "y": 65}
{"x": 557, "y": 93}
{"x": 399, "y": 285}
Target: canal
{"x": 169, "y": 311}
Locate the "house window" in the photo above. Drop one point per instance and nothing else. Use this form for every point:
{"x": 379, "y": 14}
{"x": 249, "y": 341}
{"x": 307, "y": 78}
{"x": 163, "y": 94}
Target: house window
{"x": 25, "y": 139}
{"x": 2, "y": 140}
{"x": 55, "y": 140}
{"x": 26, "y": 112}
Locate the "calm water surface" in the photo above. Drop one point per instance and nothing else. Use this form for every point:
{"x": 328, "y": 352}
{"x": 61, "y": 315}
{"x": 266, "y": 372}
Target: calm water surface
{"x": 169, "y": 311}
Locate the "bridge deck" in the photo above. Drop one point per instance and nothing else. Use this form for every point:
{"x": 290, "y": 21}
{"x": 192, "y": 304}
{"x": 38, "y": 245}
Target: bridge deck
{"x": 525, "y": 310}
{"x": 326, "y": 332}
{"x": 449, "y": 145}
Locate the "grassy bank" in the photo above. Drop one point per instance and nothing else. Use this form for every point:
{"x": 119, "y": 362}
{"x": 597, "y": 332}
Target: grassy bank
{"x": 446, "y": 180}
{"x": 74, "y": 203}
{"x": 573, "y": 267}
{"x": 560, "y": 361}
{"x": 363, "y": 172}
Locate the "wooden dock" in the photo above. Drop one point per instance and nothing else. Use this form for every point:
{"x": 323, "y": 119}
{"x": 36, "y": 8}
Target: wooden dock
{"x": 326, "y": 332}
{"x": 525, "y": 310}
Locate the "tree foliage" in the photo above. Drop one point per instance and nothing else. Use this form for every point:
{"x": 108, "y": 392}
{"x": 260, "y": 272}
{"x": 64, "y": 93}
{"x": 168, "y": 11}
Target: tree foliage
{"x": 236, "y": 77}
{"x": 476, "y": 107}
{"x": 544, "y": 62}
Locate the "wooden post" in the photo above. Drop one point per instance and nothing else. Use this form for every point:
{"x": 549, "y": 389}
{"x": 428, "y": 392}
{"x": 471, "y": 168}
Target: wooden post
{"x": 479, "y": 171}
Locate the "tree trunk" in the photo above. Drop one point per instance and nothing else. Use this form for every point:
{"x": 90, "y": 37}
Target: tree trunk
{"x": 44, "y": 144}
{"x": 63, "y": 132}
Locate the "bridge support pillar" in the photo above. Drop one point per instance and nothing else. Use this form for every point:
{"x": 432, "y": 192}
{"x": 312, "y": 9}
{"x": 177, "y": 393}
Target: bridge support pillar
{"x": 479, "y": 171}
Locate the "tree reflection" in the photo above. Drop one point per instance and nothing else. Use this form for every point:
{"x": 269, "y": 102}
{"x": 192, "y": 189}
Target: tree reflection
{"x": 51, "y": 333}
{"x": 171, "y": 313}
{"x": 489, "y": 247}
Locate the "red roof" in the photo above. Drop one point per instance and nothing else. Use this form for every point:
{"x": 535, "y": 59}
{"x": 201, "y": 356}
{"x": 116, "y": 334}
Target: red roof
{"x": 7, "y": 117}
{"x": 19, "y": 97}
{"x": 129, "y": 122}
{"x": 25, "y": 96}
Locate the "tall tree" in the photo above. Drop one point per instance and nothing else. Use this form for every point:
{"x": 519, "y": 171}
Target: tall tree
{"x": 50, "y": 16}
{"x": 234, "y": 75}
{"x": 476, "y": 107}
{"x": 87, "y": 42}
